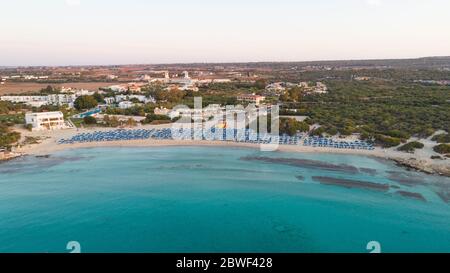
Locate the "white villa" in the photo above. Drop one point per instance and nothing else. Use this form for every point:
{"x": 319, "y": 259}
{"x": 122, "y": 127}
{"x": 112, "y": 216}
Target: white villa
{"x": 45, "y": 121}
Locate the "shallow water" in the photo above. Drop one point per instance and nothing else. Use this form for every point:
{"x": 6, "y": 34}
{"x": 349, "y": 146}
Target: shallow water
{"x": 201, "y": 199}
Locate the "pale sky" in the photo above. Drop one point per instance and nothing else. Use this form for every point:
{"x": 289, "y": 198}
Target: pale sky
{"x": 82, "y": 32}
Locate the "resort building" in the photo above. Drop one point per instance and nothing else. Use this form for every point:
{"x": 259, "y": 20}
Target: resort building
{"x": 125, "y": 104}
{"x": 45, "y": 121}
{"x": 33, "y": 101}
{"x": 140, "y": 98}
{"x": 252, "y": 98}
{"x": 37, "y": 101}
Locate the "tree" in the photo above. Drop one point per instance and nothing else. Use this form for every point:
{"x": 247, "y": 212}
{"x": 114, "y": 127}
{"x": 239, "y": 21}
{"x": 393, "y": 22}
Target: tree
{"x": 174, "y": 95}
{"x": 442, "y": 138}
{"x": 318, "y": 131}
{"x": 261, "y": 83}
{"x": 89, "y": 120}
{"x": 442, "y": 149}
{"x": 49, "y": 90}
{"x": 111, "y": 121}
{"x": 152, "y": 117}
{"x": 291, "y": 126}
{"x": 7, "y": 137}
{"x": 411, "y": 146}
{"x": 398, "y": 134}
{"x": 99, "y": 97}
{"x": 85, "y": 102}
{"x": 294, "y": 94}
{"x": 387, "y": 141}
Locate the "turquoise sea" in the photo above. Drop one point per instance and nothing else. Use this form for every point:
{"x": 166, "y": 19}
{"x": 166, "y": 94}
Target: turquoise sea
{"x": 200, "y": 199}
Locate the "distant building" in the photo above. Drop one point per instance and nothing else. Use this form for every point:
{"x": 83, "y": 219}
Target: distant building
{"x": 37, "y": 101}
{"x": 109, "y": 100}
{"x": 276, "y": 87}
{"x": 140, "y": 98}
{"x": 303, "y": 84}
{"x": 321, "y": 88}
{"x": 118, "y": 88}
{"x": 221, "y": 80}
{"x": 251, "y": 98}
{"x": 363, "y": 78}
{"x": 144, "y": 78}
{"x": 161, "y": 111}
{"x": 111, "y": 77}
{"x": 24, "y": 99}
{"x": 125, "y": 104}
{"x": 45, "y": 121}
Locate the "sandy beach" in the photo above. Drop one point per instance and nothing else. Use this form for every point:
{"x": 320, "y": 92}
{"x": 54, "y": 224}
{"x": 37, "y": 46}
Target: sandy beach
{"x": 48, "y": 144}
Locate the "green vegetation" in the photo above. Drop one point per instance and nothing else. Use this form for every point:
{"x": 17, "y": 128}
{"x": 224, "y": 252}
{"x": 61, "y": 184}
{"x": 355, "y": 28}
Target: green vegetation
{"x": 77, "y": 122}
{"x": 99, "y": 97}
{"x": 318, "y": 131}
{"x": 156, "y": 119}
{"x": 7, "y": 137}
{"x": 260, "y": 84}
{"x": 111, "y": 121}
{"x": 6, "y": 107}
{"x": 89, "y": 120}
{"x": 132, "y": 111}
{"x": 442, "y": 149}
{"x": 160, "y": 94}
{"x": 387, "y": 141}
{"x": 11, "y": 119}
{"x": 389, "y": 111}
{"x": 411, "y": 146}
{"x": 397, "y": 134}
{"x": 215, "y": 93}
{"x": 442, "y": 138}
{"x": 292, "y": 95}
{"x": 290, "y": 126}
{"x": 9, "y": 116}
{"x": 85, "y": 102}
{"x": 49, "y": 90}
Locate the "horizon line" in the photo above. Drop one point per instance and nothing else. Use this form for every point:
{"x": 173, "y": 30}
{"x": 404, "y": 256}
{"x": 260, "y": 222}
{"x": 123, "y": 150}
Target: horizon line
{"x": 249, "y": 62}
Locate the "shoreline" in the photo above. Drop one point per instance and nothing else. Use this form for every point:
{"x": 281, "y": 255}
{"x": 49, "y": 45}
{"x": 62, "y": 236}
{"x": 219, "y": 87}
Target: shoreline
{"x": 48, "y": 145}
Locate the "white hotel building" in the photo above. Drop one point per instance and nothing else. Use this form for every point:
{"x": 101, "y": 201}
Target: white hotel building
{"x": 45, "y": 121}
{"x": 37, "y": 101}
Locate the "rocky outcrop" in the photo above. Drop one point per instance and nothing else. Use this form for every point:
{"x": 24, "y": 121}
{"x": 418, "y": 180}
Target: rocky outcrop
{"x": 423, "y": 166}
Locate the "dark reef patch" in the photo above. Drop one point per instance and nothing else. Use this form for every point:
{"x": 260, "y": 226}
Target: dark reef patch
{"x": 368, "y": 171}
{"x": 406, "y": 179}
{"x": 304, "y": 163}
{"x": 37, "y": 164}
{"x": 347, "y": 183}
{"x": 413, "y": 195}
{"x": 444, "y": 195}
